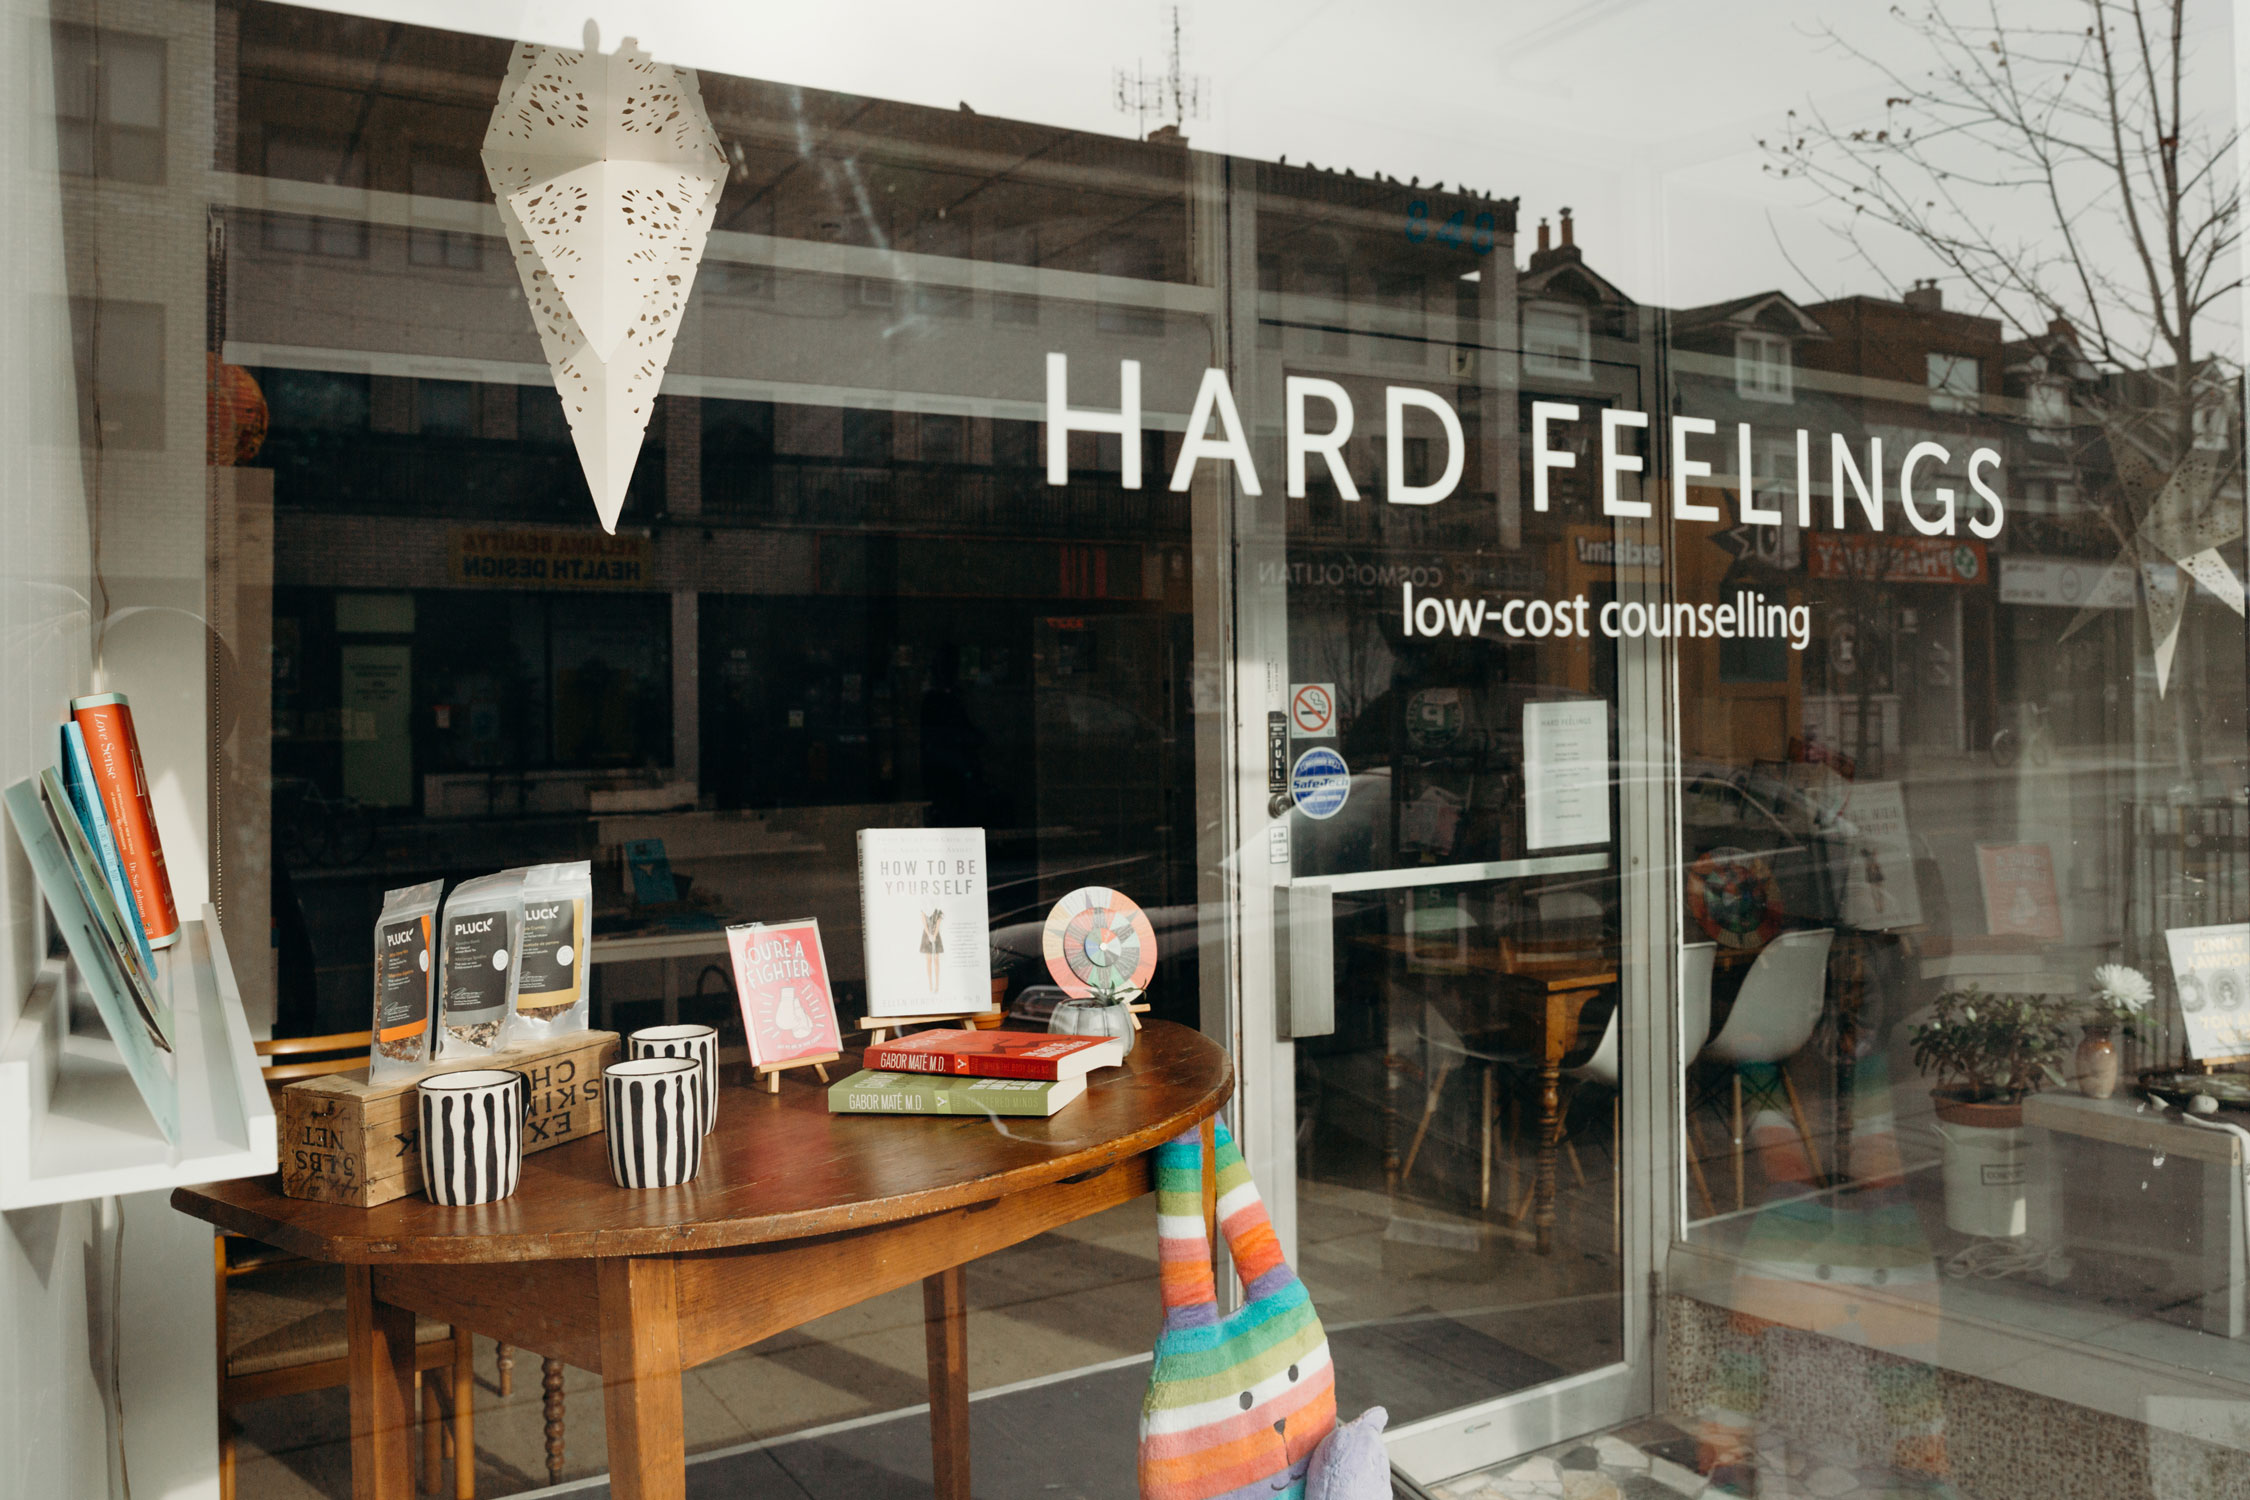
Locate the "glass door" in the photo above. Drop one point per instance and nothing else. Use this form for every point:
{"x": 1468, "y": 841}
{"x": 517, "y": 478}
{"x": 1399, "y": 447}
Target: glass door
{"x": 1448, "y": 784}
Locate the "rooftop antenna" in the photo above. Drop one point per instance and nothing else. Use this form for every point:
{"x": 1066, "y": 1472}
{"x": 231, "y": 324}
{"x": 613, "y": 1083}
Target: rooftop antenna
{"x": 1172, "y": 97}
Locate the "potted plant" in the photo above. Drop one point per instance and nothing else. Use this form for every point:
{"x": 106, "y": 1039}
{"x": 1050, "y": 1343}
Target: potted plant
{"x": 1108, "y": 1011}
{"x": 1988, "y": 1054}
{"x": 2121, "y": 996}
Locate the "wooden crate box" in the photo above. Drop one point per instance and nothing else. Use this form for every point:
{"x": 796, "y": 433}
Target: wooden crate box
{"x": 344, "y": 1140}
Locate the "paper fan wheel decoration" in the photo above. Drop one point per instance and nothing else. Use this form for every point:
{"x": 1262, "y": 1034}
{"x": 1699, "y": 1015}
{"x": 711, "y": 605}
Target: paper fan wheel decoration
{"x": 1099, "y": 943}
{"x": 1733, "y": 897}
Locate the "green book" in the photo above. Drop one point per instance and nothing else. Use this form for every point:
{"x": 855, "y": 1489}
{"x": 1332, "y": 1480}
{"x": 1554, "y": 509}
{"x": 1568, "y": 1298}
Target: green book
{"x": 870, "y": 1093}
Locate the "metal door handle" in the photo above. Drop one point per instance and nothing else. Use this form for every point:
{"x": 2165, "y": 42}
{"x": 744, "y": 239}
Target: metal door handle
{"x": 1305, "y": 959}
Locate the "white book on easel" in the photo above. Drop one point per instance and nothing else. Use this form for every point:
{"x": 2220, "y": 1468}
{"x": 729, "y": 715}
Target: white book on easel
{"x": 924, "y": 921}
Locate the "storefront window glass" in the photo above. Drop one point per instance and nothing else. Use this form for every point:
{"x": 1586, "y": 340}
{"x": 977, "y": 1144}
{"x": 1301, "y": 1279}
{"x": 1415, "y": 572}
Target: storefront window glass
{"x": 1679, "y": 713}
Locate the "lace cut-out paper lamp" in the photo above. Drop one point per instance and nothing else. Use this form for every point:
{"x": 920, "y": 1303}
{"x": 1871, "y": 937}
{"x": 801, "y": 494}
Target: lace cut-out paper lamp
{"x": 2185, "y": 520}
{"x": 606, "y": 172}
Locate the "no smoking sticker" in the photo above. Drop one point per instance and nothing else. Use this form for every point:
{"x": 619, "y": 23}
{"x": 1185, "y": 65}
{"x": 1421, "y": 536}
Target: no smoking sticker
{"x": 1312, "y": 710}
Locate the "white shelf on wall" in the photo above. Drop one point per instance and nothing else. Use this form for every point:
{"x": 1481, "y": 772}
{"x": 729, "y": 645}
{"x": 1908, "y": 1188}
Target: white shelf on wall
{"x": 72, "y": 1124}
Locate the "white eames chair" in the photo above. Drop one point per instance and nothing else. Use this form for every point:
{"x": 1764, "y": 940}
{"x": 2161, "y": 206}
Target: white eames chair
{"x": 1696, "y": 963}
{"x": 1697, "y": 960}
{"x": 1773, "y": 1018}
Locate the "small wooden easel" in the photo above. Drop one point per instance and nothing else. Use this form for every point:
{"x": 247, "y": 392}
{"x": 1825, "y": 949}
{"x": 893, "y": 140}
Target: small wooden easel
{"x": 770, "y": 1074}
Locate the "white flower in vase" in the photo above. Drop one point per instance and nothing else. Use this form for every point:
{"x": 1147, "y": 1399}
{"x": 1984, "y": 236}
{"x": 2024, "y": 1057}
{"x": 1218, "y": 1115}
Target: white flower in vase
{"x": 2121, "y": 994}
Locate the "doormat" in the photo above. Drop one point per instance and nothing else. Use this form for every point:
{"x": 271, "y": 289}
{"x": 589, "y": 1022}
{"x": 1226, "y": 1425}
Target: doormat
{"x": 1075, "y": 1438}
{"x": 1420, "y": 1366}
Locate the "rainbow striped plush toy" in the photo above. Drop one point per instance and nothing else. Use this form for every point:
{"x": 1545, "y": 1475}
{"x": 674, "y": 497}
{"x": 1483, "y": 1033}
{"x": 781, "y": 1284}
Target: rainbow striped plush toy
{"x": 1235, "y": 1405}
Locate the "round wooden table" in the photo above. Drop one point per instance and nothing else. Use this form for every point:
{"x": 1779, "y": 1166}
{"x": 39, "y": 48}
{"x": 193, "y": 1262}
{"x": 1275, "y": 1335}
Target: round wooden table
{"x": 797, "y": 1213}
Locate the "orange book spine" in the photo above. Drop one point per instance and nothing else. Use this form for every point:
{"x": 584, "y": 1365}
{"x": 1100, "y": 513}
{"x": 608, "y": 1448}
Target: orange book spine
{"x": 115, "y": 751}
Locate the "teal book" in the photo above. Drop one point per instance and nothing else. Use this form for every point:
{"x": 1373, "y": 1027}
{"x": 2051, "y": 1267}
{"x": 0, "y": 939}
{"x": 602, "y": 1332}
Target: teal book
{"x": 651, "y": 872}
{"x": 141, "y": 1045}
{"x": 86, "y": 800}
{"x": 142, "y": 980}
{"x": 871, "y": 1093}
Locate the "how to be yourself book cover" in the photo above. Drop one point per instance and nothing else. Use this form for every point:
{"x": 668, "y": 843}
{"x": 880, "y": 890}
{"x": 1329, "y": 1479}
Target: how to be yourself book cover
{"x": 923, "y": 921}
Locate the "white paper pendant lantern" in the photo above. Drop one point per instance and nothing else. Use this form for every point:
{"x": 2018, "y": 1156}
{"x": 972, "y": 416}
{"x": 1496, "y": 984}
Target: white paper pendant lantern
{"x": 606, "y": 172}
{"x": 2185, "y": 519}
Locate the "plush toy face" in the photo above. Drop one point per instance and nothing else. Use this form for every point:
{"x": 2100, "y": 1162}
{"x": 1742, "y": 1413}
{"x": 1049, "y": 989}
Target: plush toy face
{"x": 1224, "y": 1434}
{"x": 1235, "y": 1406}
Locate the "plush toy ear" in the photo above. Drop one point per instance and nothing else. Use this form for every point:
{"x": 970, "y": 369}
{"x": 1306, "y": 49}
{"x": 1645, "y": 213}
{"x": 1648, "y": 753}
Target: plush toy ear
{"x": 1350, "y": 1463}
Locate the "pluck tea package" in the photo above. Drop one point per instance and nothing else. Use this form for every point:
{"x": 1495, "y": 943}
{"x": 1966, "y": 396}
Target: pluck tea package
{"x": 551, "y": 976}
{"x": 477, "y": 980}
{"x": 406, "y": 963}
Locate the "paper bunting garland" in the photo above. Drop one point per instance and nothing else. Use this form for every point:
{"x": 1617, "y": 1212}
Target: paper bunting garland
{"x": 606, "y": 172}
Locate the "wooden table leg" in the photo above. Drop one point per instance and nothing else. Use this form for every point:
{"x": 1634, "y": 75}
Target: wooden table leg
{"x": 1208, "y": 1133}
{"x": 433, "y": 1430}
{"x": 1394, "y": 1067}
{"x": 380, "y": 1360}
{"x": 1740, "y": 1198}
{"x": 1550, "y": 1149}
{"x": 1510, "y": 1145}
{"x": 1560, "y": 1035}
{"x": 1484, "y": 1140}
{"x": 464, "y": 1414}
{"x": 641, "y": 1402}
{"x": 945, "y": 1307}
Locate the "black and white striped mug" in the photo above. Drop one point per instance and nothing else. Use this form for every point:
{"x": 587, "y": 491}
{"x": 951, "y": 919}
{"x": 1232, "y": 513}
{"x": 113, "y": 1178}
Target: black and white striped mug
{"x": 472, "y": 1134}
{"x": 653, "y": 1114}
{"x": 698, "y": 1042}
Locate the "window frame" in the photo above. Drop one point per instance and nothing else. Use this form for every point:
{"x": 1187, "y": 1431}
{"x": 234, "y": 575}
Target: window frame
{"x": 2049, "y": 424}
{"x": 1758, "y": 354}
{"x": 79, "y": 45}
{"x": 1944, "y": 393}
{"x": 1537, "y": 361}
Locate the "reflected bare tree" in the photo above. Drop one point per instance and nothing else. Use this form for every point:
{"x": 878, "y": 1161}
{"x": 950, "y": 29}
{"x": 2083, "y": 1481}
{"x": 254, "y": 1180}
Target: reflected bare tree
{"x": 2073, "y": 166}
{"x": 2058, "y": 161}
{"x": 2058, "y": 171}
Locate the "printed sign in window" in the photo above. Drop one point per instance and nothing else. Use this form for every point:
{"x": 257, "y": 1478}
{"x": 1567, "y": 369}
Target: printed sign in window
{"x": 1566, "y": 773}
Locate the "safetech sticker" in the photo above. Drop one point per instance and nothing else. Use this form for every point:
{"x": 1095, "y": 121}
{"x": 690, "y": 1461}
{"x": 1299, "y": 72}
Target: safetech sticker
{"x": 1319, "y": 782}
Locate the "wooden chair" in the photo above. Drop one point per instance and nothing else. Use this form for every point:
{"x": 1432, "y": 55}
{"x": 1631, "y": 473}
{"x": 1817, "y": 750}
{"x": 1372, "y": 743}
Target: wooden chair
{"x": 550, "y": 1401}
{"x": 284, "y": 1333}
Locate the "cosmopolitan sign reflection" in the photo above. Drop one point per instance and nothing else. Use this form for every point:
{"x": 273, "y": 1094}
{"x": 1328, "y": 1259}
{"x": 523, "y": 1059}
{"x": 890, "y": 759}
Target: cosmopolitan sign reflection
{"x": 1931, "y": 509}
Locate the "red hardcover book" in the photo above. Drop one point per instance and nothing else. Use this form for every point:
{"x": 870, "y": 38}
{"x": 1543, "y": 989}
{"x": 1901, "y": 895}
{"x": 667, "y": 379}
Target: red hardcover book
{"x": 996, "y": 1054}
{"x": 115, "y": 752}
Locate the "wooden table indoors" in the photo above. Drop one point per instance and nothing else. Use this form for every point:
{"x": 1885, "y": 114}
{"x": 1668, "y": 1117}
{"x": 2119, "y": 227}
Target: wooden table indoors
{"x": 797, "y": 1213}
{"x": 1538, "y": 996}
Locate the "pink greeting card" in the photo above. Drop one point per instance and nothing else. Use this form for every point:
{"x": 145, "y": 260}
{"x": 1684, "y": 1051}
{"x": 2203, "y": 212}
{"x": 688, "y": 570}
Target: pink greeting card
{"x": 2020, "y": 898}
{"x": 781, "y": 978}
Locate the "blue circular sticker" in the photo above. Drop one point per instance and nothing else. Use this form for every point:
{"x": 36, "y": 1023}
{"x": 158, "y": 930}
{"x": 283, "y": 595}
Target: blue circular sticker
{"x": 1319, "y": 783}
